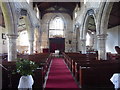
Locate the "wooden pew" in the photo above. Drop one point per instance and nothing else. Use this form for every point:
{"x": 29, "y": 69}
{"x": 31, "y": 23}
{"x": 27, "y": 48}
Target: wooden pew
{"x": 9, "y": 80}
{"x": 41, "y": 59}
{"x": 113, "y": 56}
{"x": 95, "y": 63}
{"x": 71, "y": 58}
{"x": 88, "y": 67}
{"x": 39, "y": 75}
{"x": 97, "y": 76}
{"x": 4, "y": 56}
{"x": 38, "y": 78}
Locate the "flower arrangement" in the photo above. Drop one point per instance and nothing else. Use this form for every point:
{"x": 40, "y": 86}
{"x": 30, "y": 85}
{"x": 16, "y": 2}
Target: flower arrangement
{"x": 25, "y": 67}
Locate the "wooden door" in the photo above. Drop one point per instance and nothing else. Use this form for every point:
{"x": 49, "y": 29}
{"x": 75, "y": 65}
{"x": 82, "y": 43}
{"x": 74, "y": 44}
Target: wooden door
{"x": 57, "y": 44}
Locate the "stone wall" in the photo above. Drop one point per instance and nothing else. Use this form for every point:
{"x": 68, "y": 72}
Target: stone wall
{"x": 45, "y": 27}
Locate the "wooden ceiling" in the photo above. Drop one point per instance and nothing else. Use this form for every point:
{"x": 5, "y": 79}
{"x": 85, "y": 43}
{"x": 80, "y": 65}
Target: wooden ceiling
{"x": 114, "y": 19}
{"x": 57, "y": 7}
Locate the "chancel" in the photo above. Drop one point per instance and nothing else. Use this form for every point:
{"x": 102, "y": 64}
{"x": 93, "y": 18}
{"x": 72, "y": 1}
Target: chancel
{"x": 66, "y": 44}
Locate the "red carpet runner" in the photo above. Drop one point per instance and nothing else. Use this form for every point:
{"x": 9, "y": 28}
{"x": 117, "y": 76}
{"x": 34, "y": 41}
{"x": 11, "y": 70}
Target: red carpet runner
{"x": 59, "y": 76}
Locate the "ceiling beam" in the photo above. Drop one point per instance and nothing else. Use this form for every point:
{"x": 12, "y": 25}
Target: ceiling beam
{"x": 69, "y": 6}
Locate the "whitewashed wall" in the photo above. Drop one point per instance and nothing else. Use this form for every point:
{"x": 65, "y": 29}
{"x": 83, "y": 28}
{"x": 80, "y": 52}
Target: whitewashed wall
{"x": 3, "y": 42}
{"x": 113, "y": 39}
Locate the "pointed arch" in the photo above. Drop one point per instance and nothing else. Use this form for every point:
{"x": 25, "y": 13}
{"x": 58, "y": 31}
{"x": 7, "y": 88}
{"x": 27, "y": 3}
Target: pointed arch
{"x": 89, "y": 13}
{"x": 27, "y": 33}
{"x": 104, "y": 19}
{"x": 9, "y": 17}
{"x": 89, "y": 25}
{"x": 58, "y": 15}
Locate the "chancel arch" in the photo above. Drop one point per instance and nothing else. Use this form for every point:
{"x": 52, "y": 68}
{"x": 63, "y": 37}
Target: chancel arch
{"x": 56, "y": 34}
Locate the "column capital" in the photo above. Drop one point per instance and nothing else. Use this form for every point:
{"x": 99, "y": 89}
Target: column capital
{"x": 12, "y": 36}
{"x": 102, "y": 36}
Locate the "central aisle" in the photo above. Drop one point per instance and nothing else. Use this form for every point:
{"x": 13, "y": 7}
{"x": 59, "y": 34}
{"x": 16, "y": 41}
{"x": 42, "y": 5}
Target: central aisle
{"x": 59, "y": 75}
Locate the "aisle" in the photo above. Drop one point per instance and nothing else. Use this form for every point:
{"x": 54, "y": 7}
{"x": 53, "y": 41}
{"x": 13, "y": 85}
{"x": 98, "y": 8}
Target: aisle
{"x": 59, "y": 75}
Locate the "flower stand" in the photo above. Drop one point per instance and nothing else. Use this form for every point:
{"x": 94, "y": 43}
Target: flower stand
{"x": 25, "y": 82}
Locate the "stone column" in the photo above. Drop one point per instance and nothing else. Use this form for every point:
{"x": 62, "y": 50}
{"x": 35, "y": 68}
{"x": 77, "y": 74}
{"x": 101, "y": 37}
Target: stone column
{"x": 39, "y": 44}
{"x": 31, "y": 46}
{"x": 74, "y": 44}
{"x": 101, "y": 46}
{"x": 31, "y": 39}
{"x": 12, "y": 52}
{"x": 95, "y": 42}
{"x": 37, "y": 39}
{"x": 83, "y": 45}
{"x": 79, "y": 45}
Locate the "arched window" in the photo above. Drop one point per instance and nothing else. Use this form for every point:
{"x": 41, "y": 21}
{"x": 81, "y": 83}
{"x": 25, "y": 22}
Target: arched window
{"x": 88, "y": 39}
{"x": 28, "y": 1}
{"x": 56, "y": 27}
{"x": 75, "y": 14}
